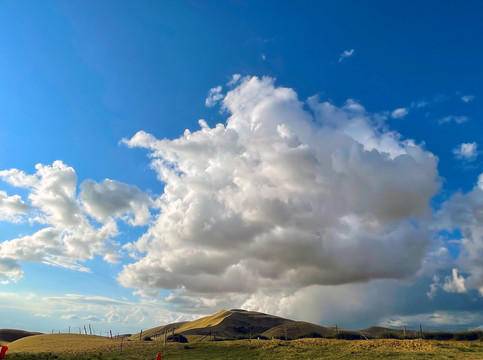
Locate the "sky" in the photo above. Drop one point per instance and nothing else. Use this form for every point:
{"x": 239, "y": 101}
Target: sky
{"x": 318, "y": 160}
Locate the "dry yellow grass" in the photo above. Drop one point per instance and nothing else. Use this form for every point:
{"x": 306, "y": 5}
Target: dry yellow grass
{"x": 302, "y": 349}
{"x": 62, "y": 343}
{"x": 205, "y": 321}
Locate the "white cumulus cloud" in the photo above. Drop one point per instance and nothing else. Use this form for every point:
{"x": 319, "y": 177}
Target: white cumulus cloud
{"x": 466, "y": 151}
{"x": 69, "y": 236}
{"x": 454, "y": 283}
{"x": 280, "y": 198}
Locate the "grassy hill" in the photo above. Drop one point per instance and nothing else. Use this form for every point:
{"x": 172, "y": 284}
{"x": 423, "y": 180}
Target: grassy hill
{"x": 296, "y": 329}
{"x": 226, "y": 324}
{"x": 376, "y": 331}
{"x": 9, "y": 335}
{"x": 62, "y": 343}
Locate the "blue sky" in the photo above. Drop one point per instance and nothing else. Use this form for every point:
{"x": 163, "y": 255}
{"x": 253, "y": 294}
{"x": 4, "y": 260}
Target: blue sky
{"x": 391, "y": 93}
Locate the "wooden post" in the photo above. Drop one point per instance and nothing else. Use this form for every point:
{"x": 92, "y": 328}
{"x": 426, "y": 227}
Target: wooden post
{"x": 69, "y": 329}
{"x": 52, "y": 331}
{"x": 122, "y": 340}
{"x": 90, "y": 330}
{"x": 110, "y": 333}
{"x": 164, "y": 344}
{"x": 80, "y": 331}
{"x": 421, "y": 330}
{"x": 404, "y": 330}
{"x": 85, "y": 330}
{"x": 140, "y": 335}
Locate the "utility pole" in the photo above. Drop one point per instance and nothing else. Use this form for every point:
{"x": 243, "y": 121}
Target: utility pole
{"x": 140, "y": 334}
{"x": 421, "y": 330}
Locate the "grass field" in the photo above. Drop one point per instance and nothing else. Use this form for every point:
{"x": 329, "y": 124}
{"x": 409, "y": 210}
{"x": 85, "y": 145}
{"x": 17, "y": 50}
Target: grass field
{"x": 83, "y": 347}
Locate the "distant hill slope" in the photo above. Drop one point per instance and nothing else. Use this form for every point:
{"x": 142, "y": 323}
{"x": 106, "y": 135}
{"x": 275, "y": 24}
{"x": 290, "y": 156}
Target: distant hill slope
{"x": 296, "y": 329}
{"x": 9, "y": 335}
{"x": 375, "y": 331}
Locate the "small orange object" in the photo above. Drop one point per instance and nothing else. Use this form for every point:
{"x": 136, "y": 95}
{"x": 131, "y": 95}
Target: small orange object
{"x": 158, "y": 357}
{"x": 3, "y": 351}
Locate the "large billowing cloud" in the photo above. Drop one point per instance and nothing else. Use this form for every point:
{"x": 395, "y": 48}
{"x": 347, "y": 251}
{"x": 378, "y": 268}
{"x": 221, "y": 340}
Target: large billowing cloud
{"x": 69, "y": 235}
{"x": 284, "y": 196}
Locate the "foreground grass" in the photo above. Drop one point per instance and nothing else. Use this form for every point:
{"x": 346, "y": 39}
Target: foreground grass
{"x": 103, "y": 349}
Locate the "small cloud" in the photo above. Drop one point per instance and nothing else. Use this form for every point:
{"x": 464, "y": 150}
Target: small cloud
{"x": 433, "y": 288}
{"x": 399, "y": 113}
{"x": 466, "y": 151}
{"x": 419, "y": 104}
{"x": 264, "y": 57}
{"x": 457, "y": 119}
{"x": 42, "y": 315}
{"x": 214, "y": 95}
{"x": 468, "y": 98}
{"x": 90, "y": 318}
{"x": 235, "y": 78}
{"x": 69, "y": 317}
{"x": 455, "y": 283}
{"x": 346, "y": 54}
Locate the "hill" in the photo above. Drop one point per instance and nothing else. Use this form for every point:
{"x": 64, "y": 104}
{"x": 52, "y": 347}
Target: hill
{"x": 226, "y": 324}
{"x": 296, "y": 329}
{"x": 9, "y": 335}
{"x": 376, "y": 331}
{"x": 62, "y": 343}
